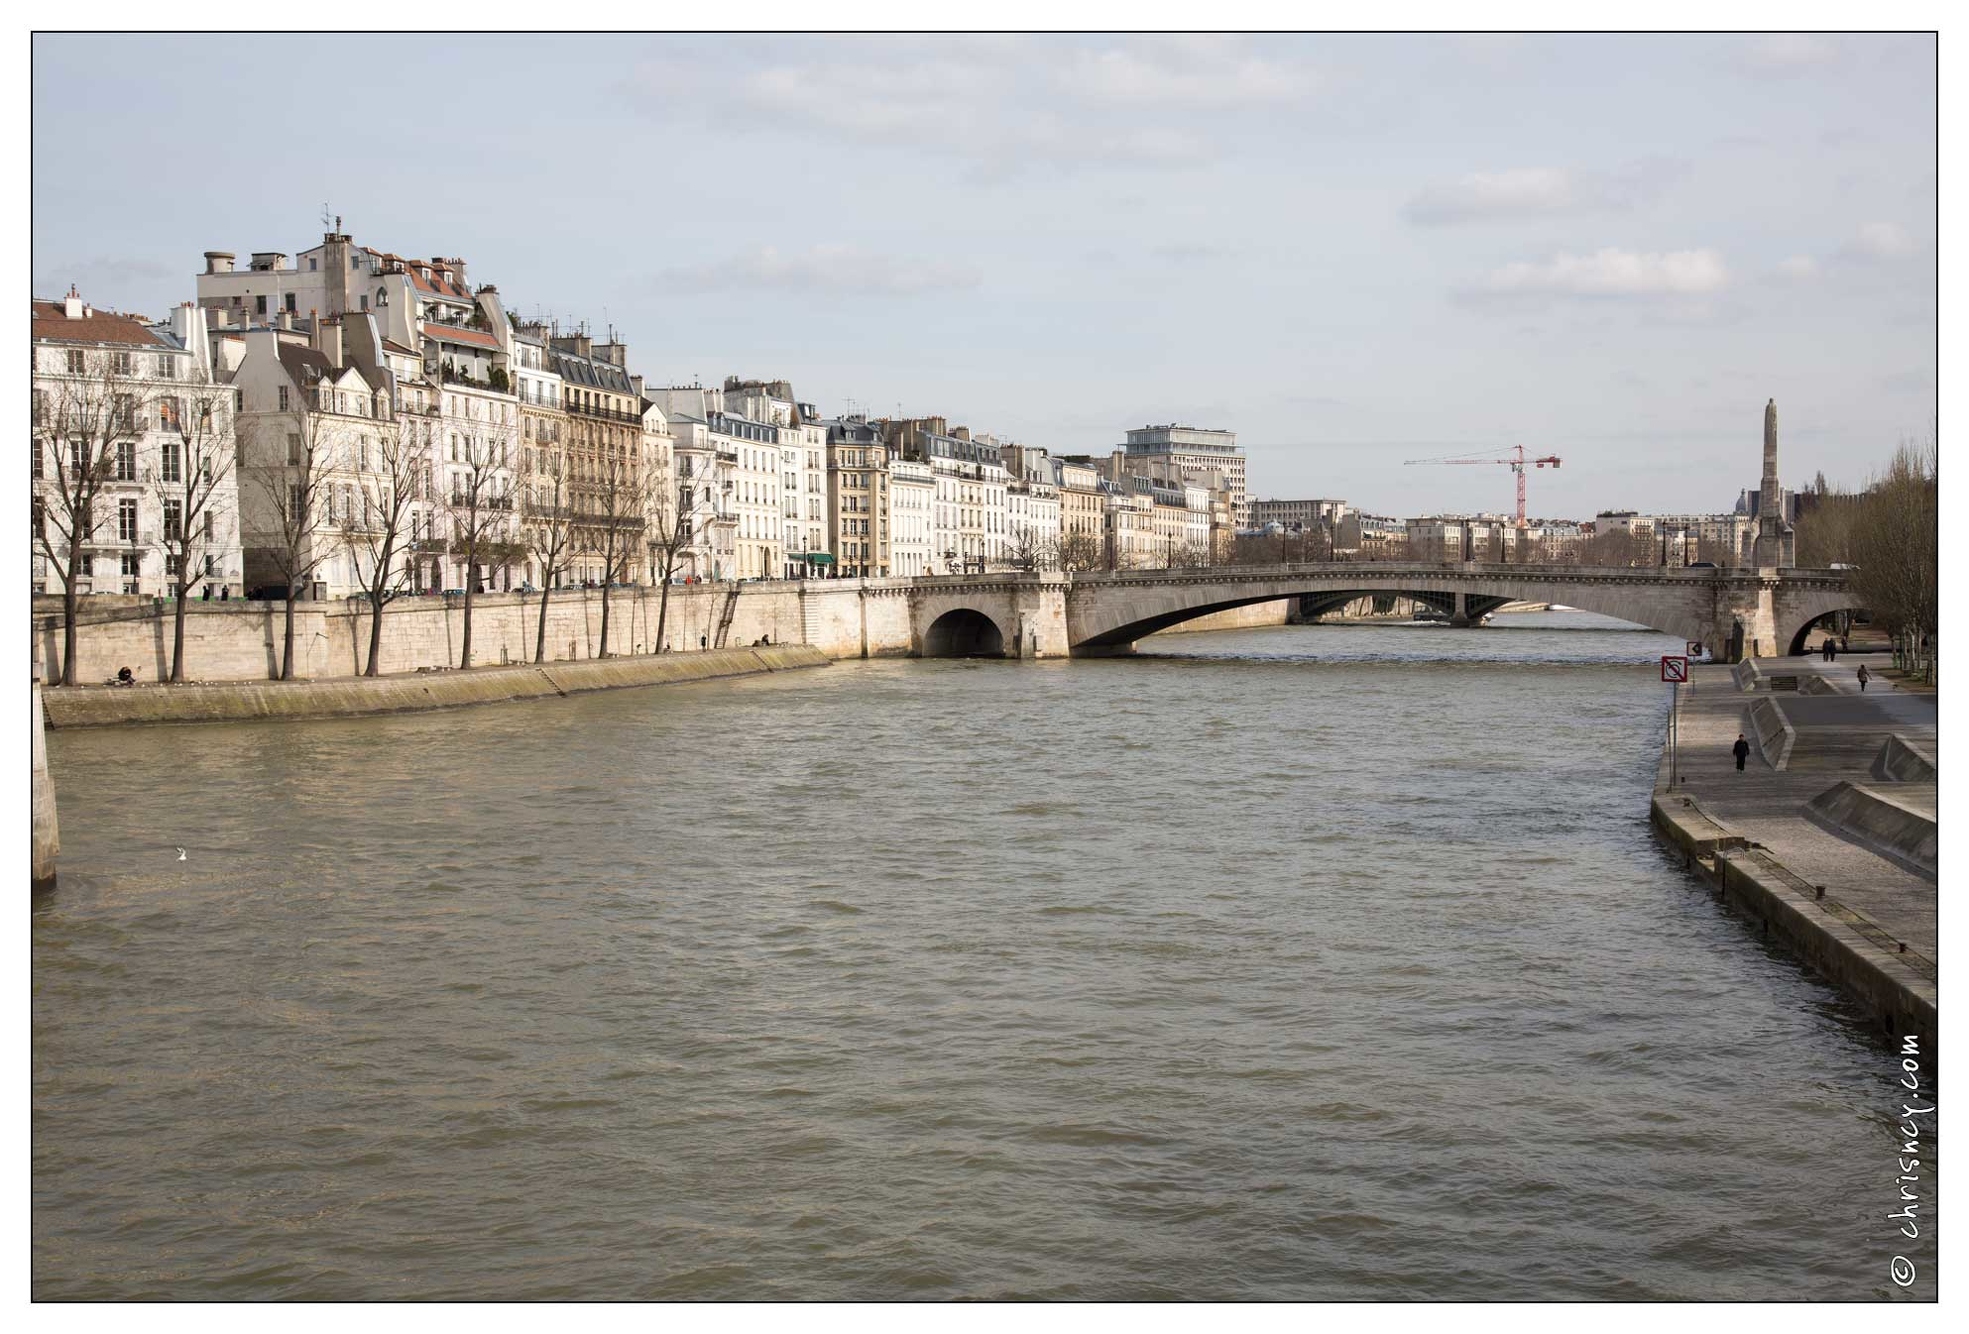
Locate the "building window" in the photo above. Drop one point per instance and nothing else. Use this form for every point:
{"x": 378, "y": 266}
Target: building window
{"x": 121, "y": 362}
{"x": 133, "y": 563}
{"x": 288, "y": 301}
{"x": 313, "y": 264}
{"x": 126, "y": 460}
{"x": 293, "y": 448}
{"x": 126, "y": 520}
{"x": 260, "y": 305}
{"x": 75, "y": 361}
{"x": 174, "y": 519}
{"x": 172, "y": 472}
{"x": 283, "y": 397}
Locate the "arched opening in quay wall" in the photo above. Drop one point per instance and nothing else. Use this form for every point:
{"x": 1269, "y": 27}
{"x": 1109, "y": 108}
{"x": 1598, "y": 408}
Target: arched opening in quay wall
{"x": 963, "y": 633}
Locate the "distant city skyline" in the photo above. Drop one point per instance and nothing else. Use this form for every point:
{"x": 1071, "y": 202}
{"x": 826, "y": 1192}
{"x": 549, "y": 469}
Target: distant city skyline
{"x": 1350, "y": 250}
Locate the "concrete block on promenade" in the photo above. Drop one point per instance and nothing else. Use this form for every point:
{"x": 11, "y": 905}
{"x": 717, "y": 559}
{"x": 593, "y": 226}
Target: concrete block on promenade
{"x": 1878, "y": 820}
{"x": 1745, "y": 675}
{"x": 1901, "y": 761}
{"x": 1775, "y": 735}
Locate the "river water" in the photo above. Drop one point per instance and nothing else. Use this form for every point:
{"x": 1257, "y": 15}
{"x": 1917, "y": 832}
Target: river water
{"x": 1322, "y": 962}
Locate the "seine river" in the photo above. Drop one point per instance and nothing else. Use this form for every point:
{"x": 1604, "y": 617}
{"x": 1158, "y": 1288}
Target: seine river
{"x": 1324, "y": 962}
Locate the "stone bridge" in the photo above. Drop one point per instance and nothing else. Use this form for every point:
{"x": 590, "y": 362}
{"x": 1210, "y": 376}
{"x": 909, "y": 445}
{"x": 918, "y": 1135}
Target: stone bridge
{"x": 1050, "y": 615}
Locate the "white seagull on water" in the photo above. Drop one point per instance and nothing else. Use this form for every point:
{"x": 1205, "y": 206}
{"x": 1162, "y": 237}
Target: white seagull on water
{"x": 181, "y": 854}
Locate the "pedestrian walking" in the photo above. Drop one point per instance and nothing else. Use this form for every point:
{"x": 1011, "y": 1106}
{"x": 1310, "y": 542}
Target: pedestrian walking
{"x": 1741, "y": 750}
{"x": 1865, "y": 676}
{"x": 1831, "y": 649}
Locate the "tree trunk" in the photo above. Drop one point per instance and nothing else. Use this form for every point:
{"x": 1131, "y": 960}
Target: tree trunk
{"x": 465, "y": 653}
{"x": 178, "y": 633}
{"x": 662, "y": 610}
{"x": 69, "y": 613}
{"x": 287, "y": 653}
{"x": 375, "y": 633}
{"x": 540, "y": 635}
{"x": 604, "y": 652}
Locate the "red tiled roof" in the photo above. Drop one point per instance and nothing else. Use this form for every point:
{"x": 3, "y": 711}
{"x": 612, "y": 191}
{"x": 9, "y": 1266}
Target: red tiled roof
{"x": 447, "y": 333}
{"x": 51, "y": 322}
{"x": 392, "y": 345}
{"x": 436, "y": 285}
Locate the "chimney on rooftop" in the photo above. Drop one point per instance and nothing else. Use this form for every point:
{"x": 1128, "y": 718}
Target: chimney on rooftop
{"x": 218, "y": 261}
{"x": 72, "y": 305}
{"x": 328, "y": 339}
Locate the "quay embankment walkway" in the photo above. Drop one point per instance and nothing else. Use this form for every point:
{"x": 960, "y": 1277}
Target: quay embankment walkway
{"x": 339, "y": 697}
{"x": 1827, "y": 838}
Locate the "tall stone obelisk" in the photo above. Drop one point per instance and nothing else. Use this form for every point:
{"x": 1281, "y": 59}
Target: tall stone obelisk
{"x": 1775, "y": 540}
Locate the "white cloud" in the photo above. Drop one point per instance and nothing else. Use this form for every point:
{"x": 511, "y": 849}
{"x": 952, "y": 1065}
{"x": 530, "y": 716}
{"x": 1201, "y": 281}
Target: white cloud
{"x": 1799, "y": 267}
{"x": 1781, "y": 53}
{"x": 1522, "y": 192}
{"x": 1196, "y": 70}
{"x": 1882, "y": 240}
{"x": 829, "y": 270}
{"x": 1532, "y": 192}
{"x": 1001, "y": 103}
{"x": 1609, "y": 273}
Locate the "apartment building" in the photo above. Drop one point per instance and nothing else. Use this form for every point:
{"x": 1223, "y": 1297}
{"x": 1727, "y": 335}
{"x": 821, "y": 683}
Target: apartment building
{"x": 1297, "y": 515}
{"x": 126, "y": 413}
{"x": 912, "y": 491}
{"x": 1200, "y": 454}
{"x": 859, "y": 498}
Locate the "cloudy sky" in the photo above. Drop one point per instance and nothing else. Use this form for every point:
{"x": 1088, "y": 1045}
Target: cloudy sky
{"x": 1352, "y": 250}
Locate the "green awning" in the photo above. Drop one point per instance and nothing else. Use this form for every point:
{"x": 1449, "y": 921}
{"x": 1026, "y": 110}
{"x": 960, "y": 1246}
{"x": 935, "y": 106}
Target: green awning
{"x": 815, "y": 557}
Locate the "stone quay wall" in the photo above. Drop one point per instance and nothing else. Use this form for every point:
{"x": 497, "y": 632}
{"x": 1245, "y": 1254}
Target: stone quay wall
{"x": 248, "y": 701}
{"x": 242, "y": 641}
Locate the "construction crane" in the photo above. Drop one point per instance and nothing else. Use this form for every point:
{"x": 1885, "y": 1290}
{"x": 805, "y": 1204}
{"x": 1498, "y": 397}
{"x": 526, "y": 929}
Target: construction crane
{"x": 1516, "y": 465}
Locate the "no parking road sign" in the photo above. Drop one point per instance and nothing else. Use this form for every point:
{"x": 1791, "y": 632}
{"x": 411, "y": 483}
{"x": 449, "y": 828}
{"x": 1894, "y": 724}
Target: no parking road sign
{"x": 1674, "y": 668}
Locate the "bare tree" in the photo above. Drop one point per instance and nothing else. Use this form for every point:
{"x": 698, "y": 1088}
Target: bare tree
{"x": 85, "y": 434}
{"x": 1081, "y": 551}
{"x": 671, "y": 528}
{"x": 618, "y": 515}
{"x": 1026, "y": 551}
{"x": 548, "y": 525}
{"x": 1895, "y": 542}
{"x": 197, "y": 456}
{"x": 378, "y": 539}
{"x": 480, "y": 513}
{"x": 1619, "y": 547}
{"x": 296, "y": 497}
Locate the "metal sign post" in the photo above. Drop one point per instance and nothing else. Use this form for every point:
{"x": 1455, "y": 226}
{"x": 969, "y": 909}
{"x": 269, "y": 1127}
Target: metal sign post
{"x": 1674, "y": 670}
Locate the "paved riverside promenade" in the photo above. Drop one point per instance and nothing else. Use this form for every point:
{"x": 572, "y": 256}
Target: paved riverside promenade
{"x": 1873, "y": 903}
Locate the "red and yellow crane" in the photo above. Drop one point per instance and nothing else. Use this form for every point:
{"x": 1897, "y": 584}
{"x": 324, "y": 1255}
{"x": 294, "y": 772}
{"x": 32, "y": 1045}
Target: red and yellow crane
{"x": 1515, "y": 464}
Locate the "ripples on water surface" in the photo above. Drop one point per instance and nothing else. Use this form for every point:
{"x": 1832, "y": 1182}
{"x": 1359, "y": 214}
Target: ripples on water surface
{"x": 1310, "y": 962}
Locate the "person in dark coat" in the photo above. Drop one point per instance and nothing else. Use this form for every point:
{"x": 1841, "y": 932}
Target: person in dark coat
{"x": 1741, "y": 750}
{"x": 1865, "y": 676}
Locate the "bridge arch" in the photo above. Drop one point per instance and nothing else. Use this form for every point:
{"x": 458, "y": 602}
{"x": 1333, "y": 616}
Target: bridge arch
{"x": 963, "y": 632}
{"x": 1812, "y": 632}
